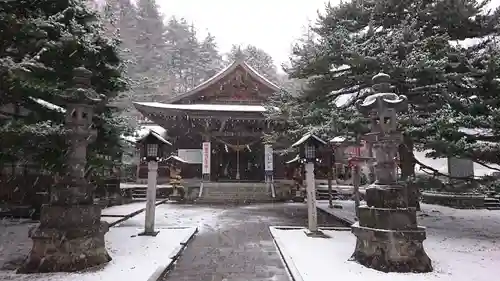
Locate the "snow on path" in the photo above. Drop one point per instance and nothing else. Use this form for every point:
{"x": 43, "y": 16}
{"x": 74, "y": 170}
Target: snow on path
{"x": 123, "y": 210}
{"x": 444, "y": 222}
{"x": 316, "y": 259}
{"x": 134, "y": 257}
{"x": 168, "y": 215}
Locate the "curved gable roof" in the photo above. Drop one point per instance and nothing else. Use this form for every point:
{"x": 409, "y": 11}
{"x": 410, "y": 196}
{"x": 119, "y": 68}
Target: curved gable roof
{"x": 224, "y": 73}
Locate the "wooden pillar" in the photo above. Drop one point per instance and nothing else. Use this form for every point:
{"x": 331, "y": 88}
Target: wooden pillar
{"x": 138, "y": 155}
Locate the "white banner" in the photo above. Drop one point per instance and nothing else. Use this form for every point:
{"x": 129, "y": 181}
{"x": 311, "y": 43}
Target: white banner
{"x": 268, "y": 154}
{"x": 206, "y": 158}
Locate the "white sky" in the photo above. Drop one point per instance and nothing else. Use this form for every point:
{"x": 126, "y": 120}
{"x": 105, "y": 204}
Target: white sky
{"x": 271, "y": 25}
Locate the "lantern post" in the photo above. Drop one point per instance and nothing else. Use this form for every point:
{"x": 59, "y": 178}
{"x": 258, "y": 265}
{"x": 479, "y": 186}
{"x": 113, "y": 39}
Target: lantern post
{"x": 309, "y": 146}
{"x": 152, "y": 156}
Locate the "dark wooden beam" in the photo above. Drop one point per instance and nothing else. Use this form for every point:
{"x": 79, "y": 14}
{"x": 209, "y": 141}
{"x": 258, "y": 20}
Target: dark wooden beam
{"x": 237, "y": 134}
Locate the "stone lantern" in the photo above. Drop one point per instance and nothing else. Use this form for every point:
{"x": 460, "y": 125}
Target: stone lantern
{"x": 388, "y": 237}
{"x": 70, "y": 236}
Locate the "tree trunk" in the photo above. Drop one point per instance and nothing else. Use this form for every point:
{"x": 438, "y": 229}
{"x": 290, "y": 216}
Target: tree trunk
{"x": 407, "y": 165}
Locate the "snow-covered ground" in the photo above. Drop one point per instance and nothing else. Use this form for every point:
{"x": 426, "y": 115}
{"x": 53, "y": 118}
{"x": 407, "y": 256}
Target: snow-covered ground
{"x": 119, "y": 212}
{"x": 134, "y": 257}
{"x": 14, "y": 241}
{"x": 318, "y": 259}
{"x": 171, "y": 215}
{"x": 463, "y": 245}
{"x": 123, "y": 210}
{"x": 441, "y": 222}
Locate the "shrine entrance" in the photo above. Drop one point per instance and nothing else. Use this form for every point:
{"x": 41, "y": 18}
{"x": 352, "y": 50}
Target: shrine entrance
{"x": 238, "y": 160}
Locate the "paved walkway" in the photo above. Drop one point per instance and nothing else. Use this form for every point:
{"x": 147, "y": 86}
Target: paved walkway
{"x": 235, "y": 244}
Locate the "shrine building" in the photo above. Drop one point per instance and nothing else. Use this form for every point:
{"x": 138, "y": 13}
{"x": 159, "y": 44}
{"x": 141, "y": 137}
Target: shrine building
{"x": 218, "y": 128}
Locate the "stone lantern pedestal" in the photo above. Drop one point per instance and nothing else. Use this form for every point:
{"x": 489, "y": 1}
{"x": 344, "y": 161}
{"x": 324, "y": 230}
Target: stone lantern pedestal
{"x": 70, "y": 236}
{"x": 388, "y": 237}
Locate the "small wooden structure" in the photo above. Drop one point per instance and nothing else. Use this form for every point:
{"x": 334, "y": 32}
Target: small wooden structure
{"x": 165, "y": 149}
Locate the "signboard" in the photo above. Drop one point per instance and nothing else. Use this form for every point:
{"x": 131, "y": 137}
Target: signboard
{"x": 206, "y": 153}
{"x": 192, "y": 156}
{"x": 268, "y": 154}
{"x": 459, "y": 167}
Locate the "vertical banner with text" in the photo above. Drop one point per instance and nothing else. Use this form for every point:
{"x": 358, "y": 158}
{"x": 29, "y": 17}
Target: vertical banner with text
{"x": 206, "y": 153}
{"x": 268, "y": 154}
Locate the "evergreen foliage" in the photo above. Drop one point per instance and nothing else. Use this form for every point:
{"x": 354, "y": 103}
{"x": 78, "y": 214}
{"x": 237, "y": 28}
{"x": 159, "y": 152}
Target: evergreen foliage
{"x": 41, "y": 44}
{"x": 441, "y": 54}
{"x": 257, "y": 58}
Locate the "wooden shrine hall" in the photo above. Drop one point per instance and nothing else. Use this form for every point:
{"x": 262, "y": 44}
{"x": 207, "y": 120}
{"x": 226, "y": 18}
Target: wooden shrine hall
{"x": 217, "y": 128}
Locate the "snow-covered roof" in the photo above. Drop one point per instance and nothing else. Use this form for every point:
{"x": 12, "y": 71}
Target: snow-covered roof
{"x": 338, "y": 139}
{"x": 201, "y": 107}
{"x": 296, "y": 158}
{"x": 307, "y": 137}
{"x": 144, "y": 130}
{"x": 157, "y": 136}
{"x": 222, "y": 74}
{"x": 48, "y": 105}
{"x": 177, "y": 158}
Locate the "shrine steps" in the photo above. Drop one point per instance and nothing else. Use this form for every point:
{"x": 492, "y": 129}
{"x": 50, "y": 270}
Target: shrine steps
{"x": 492, "y": 203}
{"x": 235, "y": 193}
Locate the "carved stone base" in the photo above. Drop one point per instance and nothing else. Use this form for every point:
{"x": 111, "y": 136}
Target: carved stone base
{"x": 69, "y": 238}
{"x": 316, "y": 234}
{"x": 391, "y": 250}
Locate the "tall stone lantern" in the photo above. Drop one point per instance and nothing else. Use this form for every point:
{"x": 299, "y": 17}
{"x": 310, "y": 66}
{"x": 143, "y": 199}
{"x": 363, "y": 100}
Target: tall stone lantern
{"x": 70, "y": 236}
{"x": 388, "y": 237}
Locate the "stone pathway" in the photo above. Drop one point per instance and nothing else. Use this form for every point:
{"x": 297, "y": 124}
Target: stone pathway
{"x": 236, "y": 244}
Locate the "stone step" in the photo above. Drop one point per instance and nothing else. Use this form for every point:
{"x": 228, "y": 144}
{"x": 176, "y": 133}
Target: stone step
{"x": 491, "y": 205}
{"x": 493, "y": 208}
{"x": 236, "y": 195}
{"x": 228, "y": 189}
{"x": 243, "y": 197}
{"x": 217, "y": 192}
{"x": 234, "y": 201}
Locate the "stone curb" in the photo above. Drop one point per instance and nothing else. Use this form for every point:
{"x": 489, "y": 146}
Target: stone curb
{"x": 126, "y": 217}
{"x": 345, "y": 221}
{"x": 291, "y": 269}
{"x": 174, "y": 256}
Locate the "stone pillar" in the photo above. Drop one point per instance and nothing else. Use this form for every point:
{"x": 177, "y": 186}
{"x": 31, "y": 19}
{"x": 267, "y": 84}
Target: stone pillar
{"x": 149, "y": 223}
{"x": 312, "y": 217}
{"x": 269, "y": 168}
{"x": 70, "y": 236}
{"x": 388, "y": 237}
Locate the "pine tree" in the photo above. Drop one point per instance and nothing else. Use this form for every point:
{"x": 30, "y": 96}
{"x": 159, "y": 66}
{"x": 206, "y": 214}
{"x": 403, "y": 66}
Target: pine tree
{"x": 415, "y": 43}
{"x": 191, "y": 61}
{"x": 178, "y": 38}
{"x": 257, "y": 58}
{"x": 42, "y": 43}
{"x": 151, "y": 49}
{"x": 210, "y": 61}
